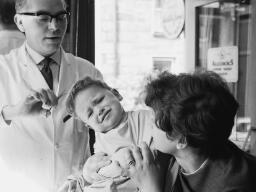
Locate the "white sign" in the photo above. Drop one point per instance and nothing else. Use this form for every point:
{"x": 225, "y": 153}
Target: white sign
{"x": 224, "y": 61}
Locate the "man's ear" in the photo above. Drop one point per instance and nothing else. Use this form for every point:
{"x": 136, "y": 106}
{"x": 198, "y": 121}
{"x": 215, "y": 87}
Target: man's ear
{"x": 19, "y": 22}
{"x": 117, "y": 94}
{"x": 182, "y": 143}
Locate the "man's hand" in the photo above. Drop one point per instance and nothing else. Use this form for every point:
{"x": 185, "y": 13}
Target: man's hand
{"x": 36, "y": 103}
{"x": 93, "y": 165}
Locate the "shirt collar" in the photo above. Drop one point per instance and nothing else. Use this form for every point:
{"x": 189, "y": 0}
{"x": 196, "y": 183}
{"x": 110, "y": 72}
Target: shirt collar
{"x": 38, "y": 58}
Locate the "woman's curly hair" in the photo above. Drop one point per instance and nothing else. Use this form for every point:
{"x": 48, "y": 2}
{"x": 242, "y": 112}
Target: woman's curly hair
{"x": 197, "y": 106}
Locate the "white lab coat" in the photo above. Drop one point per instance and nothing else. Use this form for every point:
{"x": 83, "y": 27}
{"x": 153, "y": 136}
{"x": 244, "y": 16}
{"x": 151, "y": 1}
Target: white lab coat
{"x": 43, "y": 150}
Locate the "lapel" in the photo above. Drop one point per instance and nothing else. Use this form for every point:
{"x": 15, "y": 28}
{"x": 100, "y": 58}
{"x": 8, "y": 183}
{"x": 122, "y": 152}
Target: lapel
{"x": 68, "y": 73}
{"x": 32, "y": 77}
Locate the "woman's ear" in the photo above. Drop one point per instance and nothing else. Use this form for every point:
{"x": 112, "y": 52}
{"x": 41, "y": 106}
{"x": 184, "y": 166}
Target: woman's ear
{"x": 19, "y": 22}
{"x": 117, "y": 94}
{"x": 182, "y": 143}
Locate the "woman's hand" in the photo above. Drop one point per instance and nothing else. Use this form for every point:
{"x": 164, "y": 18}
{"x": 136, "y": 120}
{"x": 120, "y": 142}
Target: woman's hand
{"x": 93, "y": 165}
{"x": 143, "y": 169}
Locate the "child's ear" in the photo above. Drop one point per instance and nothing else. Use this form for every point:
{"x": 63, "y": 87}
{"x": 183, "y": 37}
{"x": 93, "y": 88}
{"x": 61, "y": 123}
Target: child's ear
{"x": 182, "y": 143}
{"x": 117, "y": 94}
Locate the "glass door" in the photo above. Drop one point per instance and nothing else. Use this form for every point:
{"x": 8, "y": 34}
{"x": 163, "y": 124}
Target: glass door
{"x": 222, "y": 44}
{"x": 222, "y": 39}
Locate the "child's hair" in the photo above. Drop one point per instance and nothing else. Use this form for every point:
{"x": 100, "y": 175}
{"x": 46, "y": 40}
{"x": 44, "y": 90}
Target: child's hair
{"x": 79, "y": 86}
{"x": 198, "y": 106}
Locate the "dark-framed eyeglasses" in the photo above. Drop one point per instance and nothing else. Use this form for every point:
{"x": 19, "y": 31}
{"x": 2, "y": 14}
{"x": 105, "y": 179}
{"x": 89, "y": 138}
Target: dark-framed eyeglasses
{"x": 46, "y": 17}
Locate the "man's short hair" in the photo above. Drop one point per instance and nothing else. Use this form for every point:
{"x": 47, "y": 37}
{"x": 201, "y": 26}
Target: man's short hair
{"x": 79, "y": 86}
{"x": 198, "y": 106}
{"x": 20, "y": 4}
{"x": 7, "y": 12}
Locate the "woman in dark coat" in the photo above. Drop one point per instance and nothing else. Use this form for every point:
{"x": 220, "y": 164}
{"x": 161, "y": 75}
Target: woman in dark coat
{"x": 195, "y": 116}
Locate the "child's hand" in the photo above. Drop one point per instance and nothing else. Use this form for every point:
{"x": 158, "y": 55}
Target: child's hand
{"x": 112, "y": 170}
{"x": 68, "y": 186}
{"x": 119, "y": 166}
{"x": 93, "y": 165}
{"x": 119, "y": 156}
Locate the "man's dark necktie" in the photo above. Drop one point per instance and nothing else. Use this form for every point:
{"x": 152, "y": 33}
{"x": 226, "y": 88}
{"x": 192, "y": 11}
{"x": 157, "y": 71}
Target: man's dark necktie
{"x": 46, "y": 71}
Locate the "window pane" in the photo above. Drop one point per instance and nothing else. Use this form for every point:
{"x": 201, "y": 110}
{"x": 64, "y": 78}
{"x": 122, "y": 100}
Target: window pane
{"x": 136, "y": 39}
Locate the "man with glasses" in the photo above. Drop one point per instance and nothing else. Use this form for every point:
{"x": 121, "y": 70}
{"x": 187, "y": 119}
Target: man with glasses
{"x": 35, "y": 143}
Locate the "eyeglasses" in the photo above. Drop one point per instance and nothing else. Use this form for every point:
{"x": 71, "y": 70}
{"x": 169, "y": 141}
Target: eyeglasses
{"x": 46, "y": 17}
